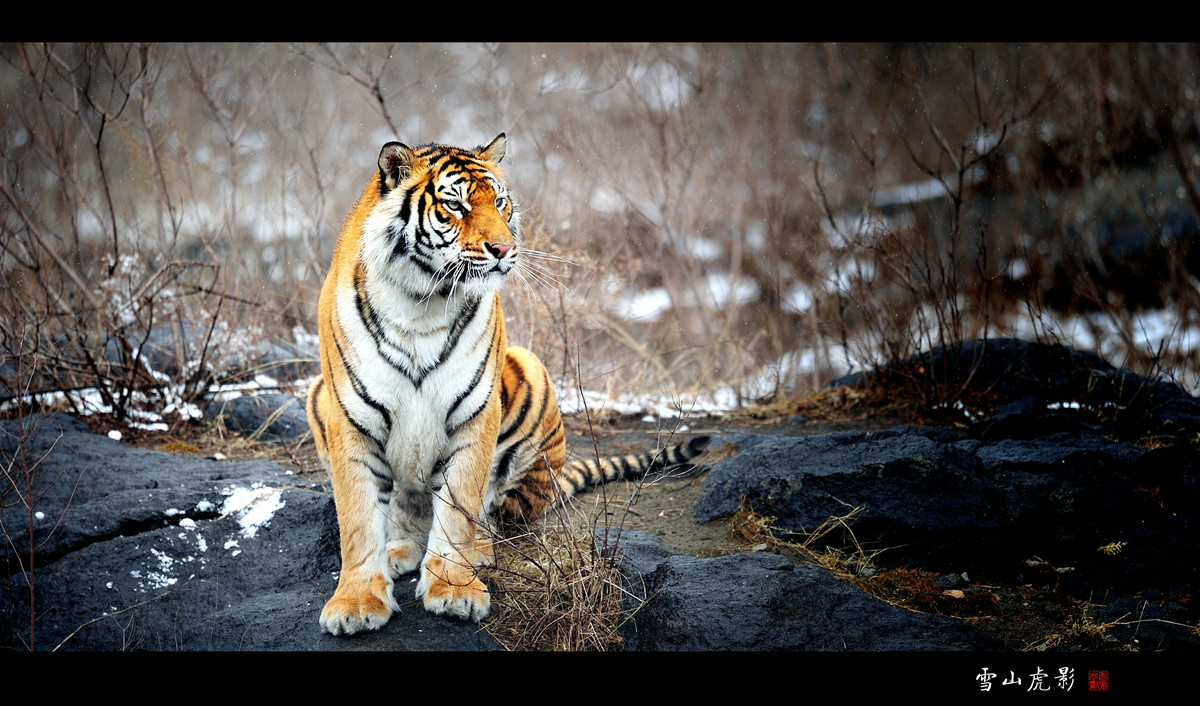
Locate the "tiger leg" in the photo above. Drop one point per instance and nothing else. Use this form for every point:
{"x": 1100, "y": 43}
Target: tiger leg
{"x": 449, "y": 583}
{"x": 409, "y": 517}
{"x": 529, "y": 500}
{"x": 317, "y": 409}
{"x": 533, "y": 444}
{"x": 363, "y": 599}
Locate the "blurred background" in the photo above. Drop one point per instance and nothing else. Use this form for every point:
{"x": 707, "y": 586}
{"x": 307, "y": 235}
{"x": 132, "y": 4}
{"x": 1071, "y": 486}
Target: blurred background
{"x": 732, "y": 223}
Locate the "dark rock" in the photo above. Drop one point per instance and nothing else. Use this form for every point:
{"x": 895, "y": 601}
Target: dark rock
{"x": 765, "y": 602}
{"x": 912, "y": 488}
{"x": 269, "y": 416}
{"x": 1067, "y": 496}
{"x": 640, "y": 552}
{"x": 142, "y": 550}
{"x": 90, "y": 487}
{"x": 138, "y": 549}
{"x": 1040, "y": 386}
{"x": 848, "y": 380}
{"x": 166, "y": 347}
{"x": 288, "y": 361}
{"x": 51, "y": 423}
{"x": 1141, "y": 622}
{"x": 1082, "y": 513}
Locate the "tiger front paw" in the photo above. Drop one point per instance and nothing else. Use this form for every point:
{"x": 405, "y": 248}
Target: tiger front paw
{"x": 451, "y": 589}
{"x": 358, "y": 606}
{"x": 404, "y": 555}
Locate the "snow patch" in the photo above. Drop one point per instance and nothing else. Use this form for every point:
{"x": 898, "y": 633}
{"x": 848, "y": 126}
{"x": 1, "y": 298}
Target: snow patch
{"x": 254, "y": 506}
{"x": 161, "y": 578}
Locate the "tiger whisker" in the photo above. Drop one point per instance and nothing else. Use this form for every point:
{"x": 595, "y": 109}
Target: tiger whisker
{"x": 524, "y": 280}
{"x": 447, "y": 270}
{"x": 529, "y": 271}
{"x": 541, "y": 273}
{"x": 433, "y": 288}
{"x": 539, "y": 267}
{"x": 459, "y": 269}
{"x": 541, "y": 255}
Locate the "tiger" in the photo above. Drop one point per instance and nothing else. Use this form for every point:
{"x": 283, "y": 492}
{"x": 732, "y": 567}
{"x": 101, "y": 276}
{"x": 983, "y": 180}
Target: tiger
{"x": 436, "y": 433}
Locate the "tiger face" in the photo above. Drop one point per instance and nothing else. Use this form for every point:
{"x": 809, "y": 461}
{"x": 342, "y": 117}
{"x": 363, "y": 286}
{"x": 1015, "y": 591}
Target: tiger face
{"x": 464, "y": 238}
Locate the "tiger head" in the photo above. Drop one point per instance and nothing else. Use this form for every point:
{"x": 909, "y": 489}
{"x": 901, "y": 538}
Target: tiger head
{"x": 444, "y": 222}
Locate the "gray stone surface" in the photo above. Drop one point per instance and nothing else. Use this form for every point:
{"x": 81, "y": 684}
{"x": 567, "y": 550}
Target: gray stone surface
{"x": 143, "y": 550}
{"x": 765, "y": 602}
{"x": 269, "y": 416}
{"x": 1009, "y": 510}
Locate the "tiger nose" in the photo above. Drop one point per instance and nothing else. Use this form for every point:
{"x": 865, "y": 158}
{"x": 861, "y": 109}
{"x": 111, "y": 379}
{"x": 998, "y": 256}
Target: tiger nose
{"x": 498, "y": 250}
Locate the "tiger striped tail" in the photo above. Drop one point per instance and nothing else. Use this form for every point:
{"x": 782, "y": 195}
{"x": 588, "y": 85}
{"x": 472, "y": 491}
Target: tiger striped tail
{"x": 579, "y": 475}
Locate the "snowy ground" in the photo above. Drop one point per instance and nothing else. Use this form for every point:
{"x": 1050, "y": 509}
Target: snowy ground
{"x": 1148, "y": 331}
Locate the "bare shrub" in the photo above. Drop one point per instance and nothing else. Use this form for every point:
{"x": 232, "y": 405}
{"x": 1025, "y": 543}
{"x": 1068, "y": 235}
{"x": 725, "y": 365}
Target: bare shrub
{"x": 1003, "y": 225}
{"x": 22, "y": 488}
{"x": 555, "y": 588}
{"x": 745, "y": 221}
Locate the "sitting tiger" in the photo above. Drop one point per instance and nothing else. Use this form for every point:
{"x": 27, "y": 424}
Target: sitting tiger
{"x": 434, "y": 429}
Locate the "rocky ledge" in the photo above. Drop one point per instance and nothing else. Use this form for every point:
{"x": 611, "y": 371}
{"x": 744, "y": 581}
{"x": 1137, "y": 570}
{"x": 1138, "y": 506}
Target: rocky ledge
{"x": 119, "y": 548}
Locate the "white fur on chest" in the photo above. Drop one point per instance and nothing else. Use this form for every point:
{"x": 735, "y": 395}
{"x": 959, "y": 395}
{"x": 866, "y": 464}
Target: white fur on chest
{"x": 421, "y": 362}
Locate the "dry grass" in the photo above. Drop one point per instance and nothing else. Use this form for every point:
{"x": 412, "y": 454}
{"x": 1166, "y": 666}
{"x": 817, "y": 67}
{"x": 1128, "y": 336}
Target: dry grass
{"x": 792, "y": 263}
{"x": 847, "y": 562}
{"x": 1082, "y": 628}
{"x": 554, "y": 589}
{"x": 906, "y": 588}
{"x": 557, "y": 583}
{"x": 863, "y": 403}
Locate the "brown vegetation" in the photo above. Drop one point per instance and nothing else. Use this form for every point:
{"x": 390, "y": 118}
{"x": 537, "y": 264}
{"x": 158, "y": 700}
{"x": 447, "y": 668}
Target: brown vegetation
{"x": 740, "y": 218}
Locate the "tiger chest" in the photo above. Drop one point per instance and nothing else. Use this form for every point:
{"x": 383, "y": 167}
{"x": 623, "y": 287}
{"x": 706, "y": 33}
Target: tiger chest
{"x": 422, "y": 374}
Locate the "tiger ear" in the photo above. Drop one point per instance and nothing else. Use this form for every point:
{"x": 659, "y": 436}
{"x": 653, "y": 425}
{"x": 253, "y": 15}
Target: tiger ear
{"x": 395, "y": 164}
{"x": 494, "y": 152}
